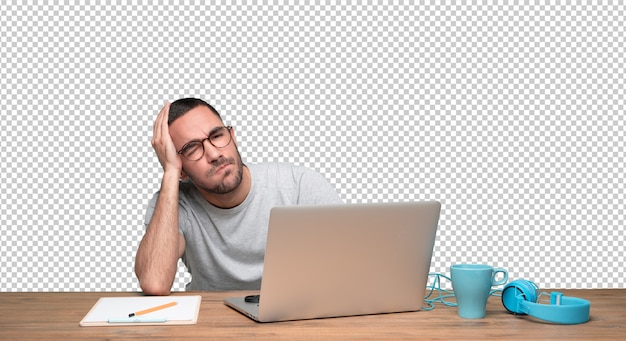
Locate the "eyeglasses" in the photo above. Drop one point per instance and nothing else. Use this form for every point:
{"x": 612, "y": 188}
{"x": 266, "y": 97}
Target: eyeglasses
{"x": 219, "y": 138}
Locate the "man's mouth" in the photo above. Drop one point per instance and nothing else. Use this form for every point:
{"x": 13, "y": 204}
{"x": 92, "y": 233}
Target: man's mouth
{"x": 220, "y": 167}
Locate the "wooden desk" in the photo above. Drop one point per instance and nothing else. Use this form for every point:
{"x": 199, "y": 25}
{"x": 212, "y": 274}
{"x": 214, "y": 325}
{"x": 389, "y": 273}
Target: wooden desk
{"x": 55, "y": 316}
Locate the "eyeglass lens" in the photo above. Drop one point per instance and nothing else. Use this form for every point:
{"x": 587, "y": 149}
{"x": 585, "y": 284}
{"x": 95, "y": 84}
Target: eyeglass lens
{"x": 195, "y": 149}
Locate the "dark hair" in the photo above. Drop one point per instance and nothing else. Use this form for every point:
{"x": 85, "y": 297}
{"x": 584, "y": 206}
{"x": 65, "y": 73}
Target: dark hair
{"x": 181, "y": 106}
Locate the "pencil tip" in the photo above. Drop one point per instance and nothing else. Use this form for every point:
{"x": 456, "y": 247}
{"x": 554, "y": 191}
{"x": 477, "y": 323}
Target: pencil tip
{"x": 131, "y": 314}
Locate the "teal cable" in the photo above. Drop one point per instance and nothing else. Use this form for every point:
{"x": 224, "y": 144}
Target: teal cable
{"x": 437, "y": 294}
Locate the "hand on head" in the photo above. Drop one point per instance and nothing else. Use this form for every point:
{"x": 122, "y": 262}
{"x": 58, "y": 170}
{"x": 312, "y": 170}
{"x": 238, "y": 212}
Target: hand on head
{"x": 162, "y": 143}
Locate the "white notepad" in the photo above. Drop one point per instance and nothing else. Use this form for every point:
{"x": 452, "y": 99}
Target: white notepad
{"x": 114, "y": 311}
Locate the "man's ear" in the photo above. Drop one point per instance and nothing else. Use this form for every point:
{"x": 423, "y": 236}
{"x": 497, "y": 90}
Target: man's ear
{"x": 234, "y": 136}
{"x": 183, "y": 175}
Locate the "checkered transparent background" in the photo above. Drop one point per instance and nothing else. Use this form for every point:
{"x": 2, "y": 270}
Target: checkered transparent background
{"x": 511, "y": 115}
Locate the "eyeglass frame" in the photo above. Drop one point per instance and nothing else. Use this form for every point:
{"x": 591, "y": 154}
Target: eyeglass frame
{"x": 208, "y": 138}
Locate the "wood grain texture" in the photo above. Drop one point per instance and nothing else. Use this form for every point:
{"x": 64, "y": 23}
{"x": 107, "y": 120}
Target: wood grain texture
{"x": 55, "y": 316}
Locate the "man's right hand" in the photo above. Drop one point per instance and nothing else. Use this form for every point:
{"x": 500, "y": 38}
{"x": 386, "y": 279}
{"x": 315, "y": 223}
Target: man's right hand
{"x": 163, "y": 144}
{"x": 162, "y": 245}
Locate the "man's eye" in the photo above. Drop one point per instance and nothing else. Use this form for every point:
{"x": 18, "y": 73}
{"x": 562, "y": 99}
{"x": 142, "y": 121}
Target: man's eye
{"x": 191, "y": 147}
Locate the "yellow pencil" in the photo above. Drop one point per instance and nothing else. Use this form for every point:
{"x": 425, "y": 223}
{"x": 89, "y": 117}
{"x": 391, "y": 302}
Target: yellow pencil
{"x": 149, "y": 310}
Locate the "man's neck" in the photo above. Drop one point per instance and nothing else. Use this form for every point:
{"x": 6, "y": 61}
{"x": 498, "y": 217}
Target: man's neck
{"x": 234, "y": 198}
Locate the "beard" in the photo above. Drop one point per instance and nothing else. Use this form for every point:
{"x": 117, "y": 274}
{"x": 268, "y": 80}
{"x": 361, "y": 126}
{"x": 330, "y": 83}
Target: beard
{"x": 229, "y": 184}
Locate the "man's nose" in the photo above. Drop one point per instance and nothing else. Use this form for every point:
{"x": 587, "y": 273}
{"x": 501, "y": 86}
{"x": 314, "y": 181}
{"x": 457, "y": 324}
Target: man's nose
{"x": 211, "y": 152}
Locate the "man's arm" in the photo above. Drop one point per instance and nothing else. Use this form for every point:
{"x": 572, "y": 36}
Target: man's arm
{"x": 162, "y": 245}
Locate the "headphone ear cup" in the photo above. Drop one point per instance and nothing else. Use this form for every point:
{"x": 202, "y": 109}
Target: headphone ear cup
{"x": 516, "y": 292}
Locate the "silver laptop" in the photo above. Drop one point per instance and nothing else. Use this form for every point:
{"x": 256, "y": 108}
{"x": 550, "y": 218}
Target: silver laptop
{"x": 343, "y": 260}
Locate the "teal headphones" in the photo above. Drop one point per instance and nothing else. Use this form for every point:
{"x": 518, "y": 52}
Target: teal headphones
{"x": 520, "y": 297}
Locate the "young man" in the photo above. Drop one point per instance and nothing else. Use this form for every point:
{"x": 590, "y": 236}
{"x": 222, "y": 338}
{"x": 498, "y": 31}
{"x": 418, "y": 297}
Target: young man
{"x": 212, "y": 209}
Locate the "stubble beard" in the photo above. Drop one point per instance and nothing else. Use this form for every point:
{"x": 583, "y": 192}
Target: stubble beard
{"x": 226, "y": 186}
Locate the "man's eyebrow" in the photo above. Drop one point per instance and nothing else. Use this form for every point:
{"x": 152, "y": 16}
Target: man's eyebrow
{"x": 211, "y": 132}
{"x": 214, "y": 130}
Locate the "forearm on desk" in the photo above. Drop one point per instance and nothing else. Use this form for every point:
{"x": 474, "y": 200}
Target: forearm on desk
{"x": 157, "y": 257}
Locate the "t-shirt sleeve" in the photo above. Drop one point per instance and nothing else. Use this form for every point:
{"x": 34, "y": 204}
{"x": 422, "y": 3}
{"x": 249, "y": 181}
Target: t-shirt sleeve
{"x": 150, "y": 210}
{"x": 314, "y": 189}
{"x": 182, "y": 213}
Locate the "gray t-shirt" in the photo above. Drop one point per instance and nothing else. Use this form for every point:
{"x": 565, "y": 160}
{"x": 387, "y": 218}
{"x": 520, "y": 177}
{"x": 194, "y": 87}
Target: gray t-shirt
{"x": 225, "y": 248}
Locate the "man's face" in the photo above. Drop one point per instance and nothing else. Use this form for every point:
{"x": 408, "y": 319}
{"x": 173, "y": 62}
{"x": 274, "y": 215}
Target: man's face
{"x": 220, "y": 170}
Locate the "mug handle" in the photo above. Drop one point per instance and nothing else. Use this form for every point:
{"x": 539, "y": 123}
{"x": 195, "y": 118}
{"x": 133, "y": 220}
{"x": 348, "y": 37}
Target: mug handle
{"x": 504, "y": 279}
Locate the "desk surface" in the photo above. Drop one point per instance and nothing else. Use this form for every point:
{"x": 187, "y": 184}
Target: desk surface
{"x": 55, "y": 316}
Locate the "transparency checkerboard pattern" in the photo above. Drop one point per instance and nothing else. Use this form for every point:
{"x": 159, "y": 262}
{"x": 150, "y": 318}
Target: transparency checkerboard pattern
{"x": 510, "y": 115}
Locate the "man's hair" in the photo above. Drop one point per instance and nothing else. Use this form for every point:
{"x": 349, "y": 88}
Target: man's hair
{"x": 181, "y": 106}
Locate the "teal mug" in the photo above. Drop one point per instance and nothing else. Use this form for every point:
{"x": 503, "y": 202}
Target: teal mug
{"x": 472, "y": 284}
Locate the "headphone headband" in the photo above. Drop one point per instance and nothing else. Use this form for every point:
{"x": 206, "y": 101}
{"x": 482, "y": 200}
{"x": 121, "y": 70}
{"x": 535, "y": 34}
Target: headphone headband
{"x": 520, "y": 296}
